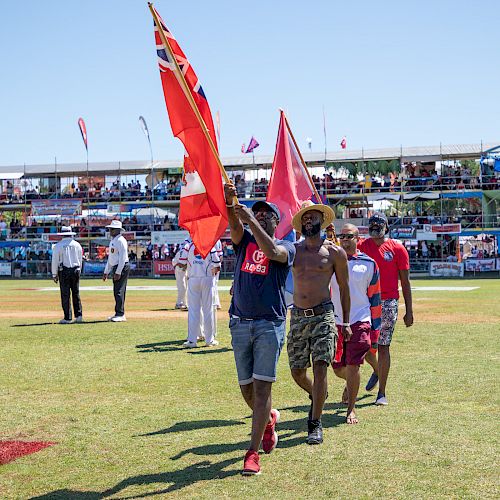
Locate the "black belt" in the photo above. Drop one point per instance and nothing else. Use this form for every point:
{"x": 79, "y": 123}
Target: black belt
{"x": 314, "y": 311}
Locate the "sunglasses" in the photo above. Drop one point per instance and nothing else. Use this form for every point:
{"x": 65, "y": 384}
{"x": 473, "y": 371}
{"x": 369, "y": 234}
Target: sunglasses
{"x": 346, "y": 236}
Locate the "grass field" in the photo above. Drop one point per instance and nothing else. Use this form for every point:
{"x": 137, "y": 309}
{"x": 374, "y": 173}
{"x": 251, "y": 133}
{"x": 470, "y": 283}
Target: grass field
{"x": 135, "y": 415}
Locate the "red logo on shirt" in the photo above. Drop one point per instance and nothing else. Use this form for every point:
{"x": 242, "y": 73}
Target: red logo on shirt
{"x": 255, "y": 261}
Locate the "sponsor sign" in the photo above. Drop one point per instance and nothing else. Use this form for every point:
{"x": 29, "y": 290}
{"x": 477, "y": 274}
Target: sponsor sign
{"x": 442, "y": 228}
{"x": 498, "y": 264}
{"x": 129, "y": 235}
{"x": 5, "y": 269}
{"x": 56, "y": 207}
{"x": 167, "y": 237}
{"x": 162, "y": 267}
{"x": 480, "y": 265}
{"x": 117, "y": 208}
{"x": 93, "y": 268}
{"x": 404, "y": 232}
{"x": 454, "y": 269}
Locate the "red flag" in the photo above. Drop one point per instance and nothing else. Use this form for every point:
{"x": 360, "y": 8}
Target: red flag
{"x": 343, "y": 143}
{"x": 202, "y": 212}
{"x": 289, "y": 186}
{"x": 83, "y": 130}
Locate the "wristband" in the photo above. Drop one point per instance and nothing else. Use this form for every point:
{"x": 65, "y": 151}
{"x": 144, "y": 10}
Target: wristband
{"x": 230, "y": 206}
{"x": 346, "y": 324}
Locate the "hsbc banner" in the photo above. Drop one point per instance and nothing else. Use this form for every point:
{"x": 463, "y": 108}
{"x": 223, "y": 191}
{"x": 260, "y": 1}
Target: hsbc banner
{"x": 163, "y": 267}
{"x": 404, "y": 232}
{"x": 480, "y": 265}
{"x": 443, "y": 228}
{"x": 448, "y": 269}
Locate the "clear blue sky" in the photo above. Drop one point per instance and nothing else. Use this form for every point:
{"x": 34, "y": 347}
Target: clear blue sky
{"x": 388, "y": 73}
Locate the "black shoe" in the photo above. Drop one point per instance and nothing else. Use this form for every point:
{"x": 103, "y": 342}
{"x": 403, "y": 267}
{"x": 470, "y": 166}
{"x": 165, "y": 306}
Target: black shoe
{"x": 310, "y": 414}
{"x": 315, "y": 432}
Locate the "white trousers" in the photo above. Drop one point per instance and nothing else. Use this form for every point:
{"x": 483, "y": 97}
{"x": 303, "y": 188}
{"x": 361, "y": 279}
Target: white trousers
{"x": 216, "y": 293}
{"x": 201, "y": 294}
{"x": 180, "y": 279}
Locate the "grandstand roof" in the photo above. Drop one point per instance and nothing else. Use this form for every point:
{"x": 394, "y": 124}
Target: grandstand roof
{"x": 418, "y": 153}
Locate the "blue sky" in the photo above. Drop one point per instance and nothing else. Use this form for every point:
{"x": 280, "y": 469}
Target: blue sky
{"x": 388, "y": 73}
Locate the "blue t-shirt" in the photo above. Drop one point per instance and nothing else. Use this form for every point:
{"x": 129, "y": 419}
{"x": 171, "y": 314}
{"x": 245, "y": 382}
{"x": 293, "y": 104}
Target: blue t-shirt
{"x": 259, "y": 283}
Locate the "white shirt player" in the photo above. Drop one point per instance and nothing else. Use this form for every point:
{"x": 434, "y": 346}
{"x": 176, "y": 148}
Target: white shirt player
{"x": 67, "y": 253}
{"x": 118, "y": 254}
{"x": 201, "y": 292}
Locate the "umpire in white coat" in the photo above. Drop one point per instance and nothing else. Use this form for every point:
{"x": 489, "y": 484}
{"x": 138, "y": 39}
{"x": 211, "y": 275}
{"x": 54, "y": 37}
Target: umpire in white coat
{"x": 118, "y": 267}
{"x": 67, "y": 257}
{"x": 201, "y": 282}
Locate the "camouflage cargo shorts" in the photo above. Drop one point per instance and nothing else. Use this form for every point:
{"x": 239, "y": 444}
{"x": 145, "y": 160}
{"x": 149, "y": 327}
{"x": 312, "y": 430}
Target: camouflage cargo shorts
{"x": 314, "y": 337}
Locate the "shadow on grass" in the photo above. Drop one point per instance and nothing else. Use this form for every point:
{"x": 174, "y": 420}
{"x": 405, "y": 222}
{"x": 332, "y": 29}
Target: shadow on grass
{"x": 201, "y": 471}
{"x": 66, "y": 325}
{"x": 169, "y": 309}
{"x": 291, "y": 433}
{"x": 210, "y": 350}
{"x": 192, "y": 426}
{"x": 167, "y": 346}
{"x": 330, "y": 406}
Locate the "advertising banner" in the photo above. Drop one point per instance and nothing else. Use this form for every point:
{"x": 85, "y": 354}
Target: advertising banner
{"x": 5, "y": 269}
{"x": 93, "y": 268}
{"x": 443, "y": 228}
{"x": 56, "y": 207}
{"x": 163, "y": 267}
{"x": 167, "y": 237}
{"x": 455, "y": 269}
{"x": 404, "y": 232}
{"x": 480, "y": 265}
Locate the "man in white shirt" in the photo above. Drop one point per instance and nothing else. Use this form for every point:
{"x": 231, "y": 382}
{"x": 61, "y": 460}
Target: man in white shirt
{"x": 118, "y": 267}
{"x": 364, "y": 290}
{"x": 67, "y": 257}
{"x": 201, "y": 274}
{"x": 180, "y": 279}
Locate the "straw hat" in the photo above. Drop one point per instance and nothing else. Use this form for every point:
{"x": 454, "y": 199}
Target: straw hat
{"x": 307, "y": 206}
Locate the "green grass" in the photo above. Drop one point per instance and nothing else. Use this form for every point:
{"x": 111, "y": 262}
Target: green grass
{"x": 135, "y": 415}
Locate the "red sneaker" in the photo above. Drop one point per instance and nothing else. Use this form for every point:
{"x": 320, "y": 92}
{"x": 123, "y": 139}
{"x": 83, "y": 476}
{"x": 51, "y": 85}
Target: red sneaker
{"x": 251, "y": 464}
{"x": 270, "y": 438}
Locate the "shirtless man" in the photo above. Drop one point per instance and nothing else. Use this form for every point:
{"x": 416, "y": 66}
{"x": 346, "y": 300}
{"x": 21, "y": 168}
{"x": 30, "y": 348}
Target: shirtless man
{"x": 313, "y": 333}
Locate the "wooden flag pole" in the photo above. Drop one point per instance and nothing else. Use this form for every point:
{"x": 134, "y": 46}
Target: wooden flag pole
{"x": 187, "y": 93}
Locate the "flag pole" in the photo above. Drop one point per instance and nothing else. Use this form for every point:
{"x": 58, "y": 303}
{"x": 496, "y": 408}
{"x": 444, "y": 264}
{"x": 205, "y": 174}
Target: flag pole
{"x": 187, "y": 93}
{"x": 306, "y": 170}
{"x": 301, "y": 158}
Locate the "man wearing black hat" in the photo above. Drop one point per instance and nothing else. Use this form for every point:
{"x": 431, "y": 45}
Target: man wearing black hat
{"x": 394, "y": 265}
{"x": 258, "y": 314}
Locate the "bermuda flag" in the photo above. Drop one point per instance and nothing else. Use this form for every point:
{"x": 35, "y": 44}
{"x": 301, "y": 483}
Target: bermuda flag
{"x": 252, "y": 145}
{"x": 202, "y": 205}
{"x": 343, "y": 143}
{"x": 289, "y": 186}
{"x": 83, "y": 130}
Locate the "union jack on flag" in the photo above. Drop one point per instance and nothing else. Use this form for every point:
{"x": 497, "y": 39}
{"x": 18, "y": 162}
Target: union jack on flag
{"x": 203, "y": 205}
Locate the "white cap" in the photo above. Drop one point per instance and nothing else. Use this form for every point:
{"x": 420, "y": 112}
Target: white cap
{"x": 66, "y": 231}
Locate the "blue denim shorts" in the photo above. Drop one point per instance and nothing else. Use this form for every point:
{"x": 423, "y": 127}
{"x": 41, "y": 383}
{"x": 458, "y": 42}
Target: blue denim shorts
{"x": 257, "y": 346}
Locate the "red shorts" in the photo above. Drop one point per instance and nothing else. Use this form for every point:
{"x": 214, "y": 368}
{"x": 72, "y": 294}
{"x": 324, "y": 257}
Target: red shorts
{"x": 354, "y": 351}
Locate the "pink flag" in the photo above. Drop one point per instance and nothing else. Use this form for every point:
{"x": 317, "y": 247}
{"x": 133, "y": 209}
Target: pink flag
{"x": 83, "y": 130}
{"x": 289, "y": 186}
{"x": 343, "y": 143}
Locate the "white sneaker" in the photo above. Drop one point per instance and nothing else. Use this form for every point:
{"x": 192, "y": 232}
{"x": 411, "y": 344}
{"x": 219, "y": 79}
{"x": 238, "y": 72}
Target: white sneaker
{"x": 116, "y": 319}
{"x": 78, "y": 319}
{"x": 190, "y": 344}
{"x": 65, "y": 321}
{"x": 212, "y": 344}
